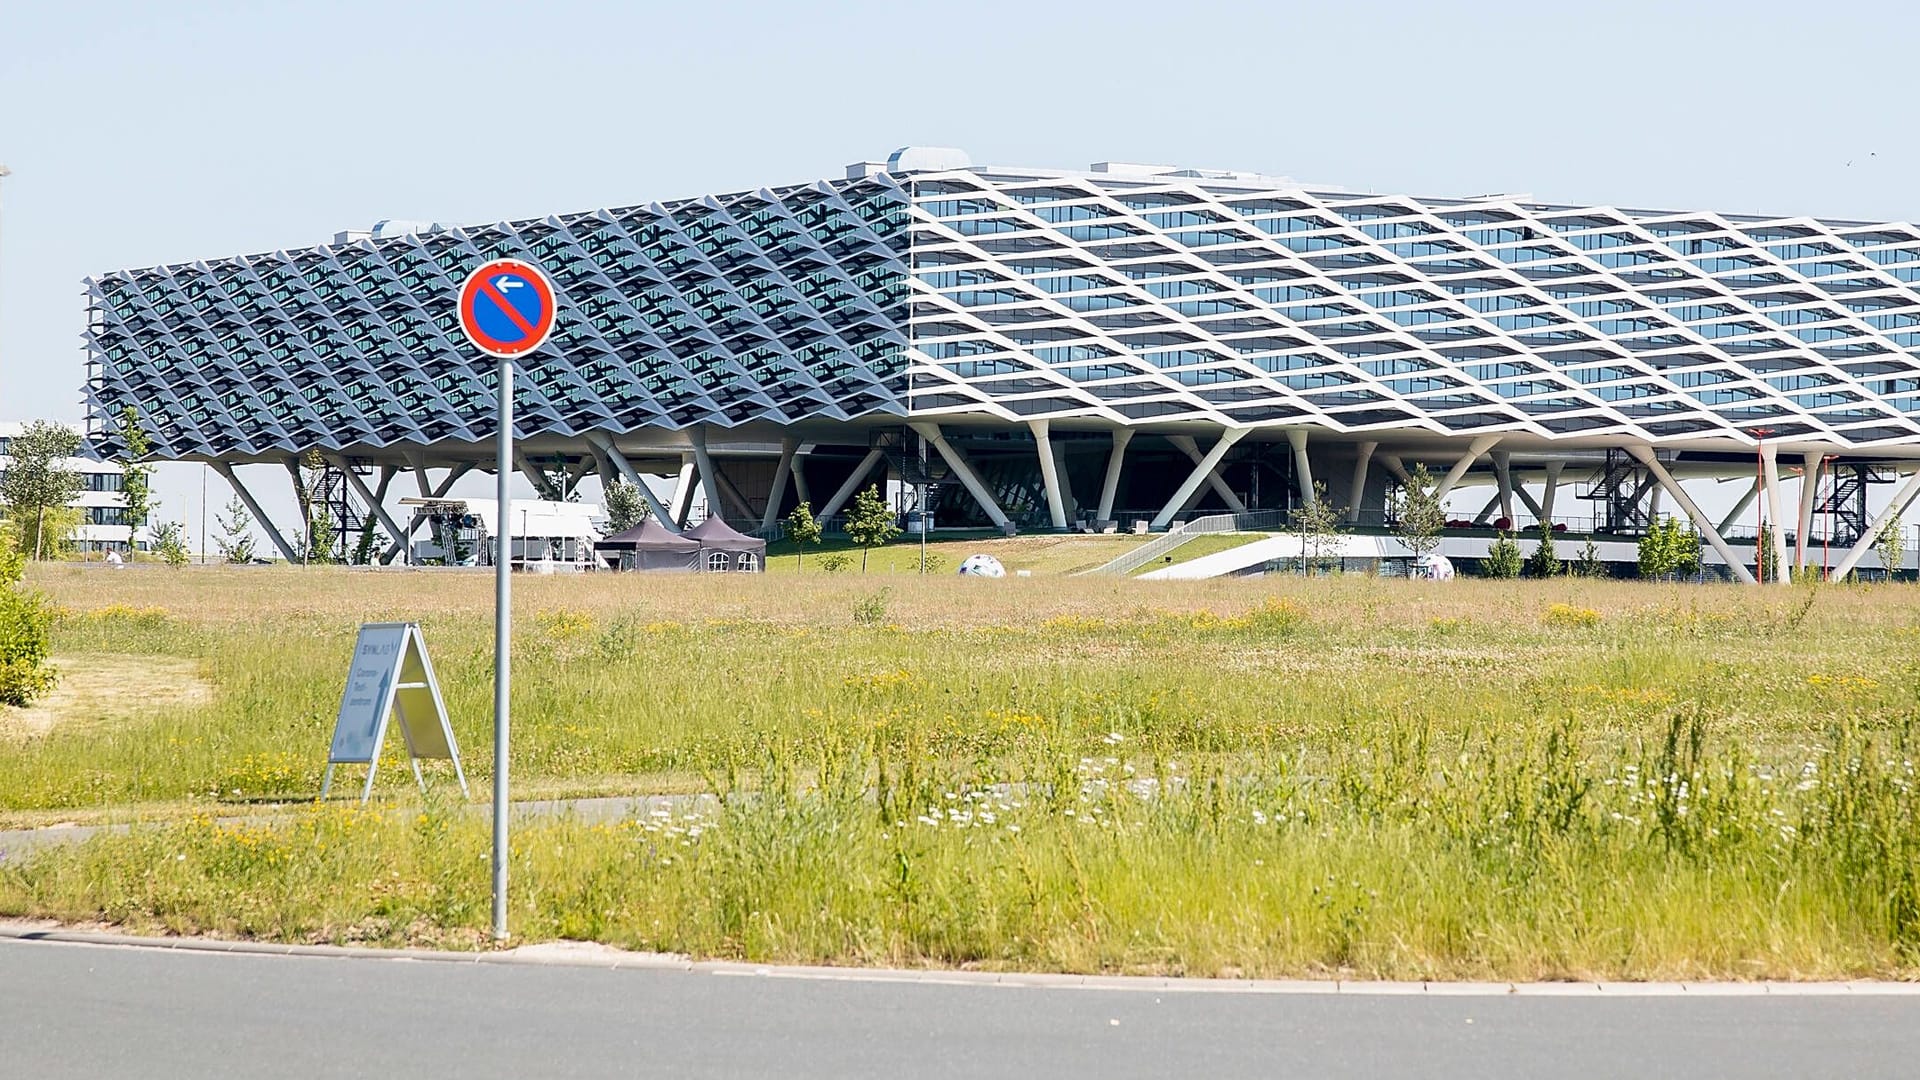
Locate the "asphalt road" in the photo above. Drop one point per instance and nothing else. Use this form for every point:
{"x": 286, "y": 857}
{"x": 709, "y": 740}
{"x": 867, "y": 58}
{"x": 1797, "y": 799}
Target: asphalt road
{"x": 98, "y": 1012}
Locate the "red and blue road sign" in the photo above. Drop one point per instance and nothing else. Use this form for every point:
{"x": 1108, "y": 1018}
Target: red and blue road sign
{"x": 507, "y": 308}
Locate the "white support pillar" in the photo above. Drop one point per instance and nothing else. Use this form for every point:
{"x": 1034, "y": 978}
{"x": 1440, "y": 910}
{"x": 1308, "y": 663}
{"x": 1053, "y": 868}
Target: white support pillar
{"x": 1810, "y": 463}
{"x": 709, "y": 481}
{"x": 800, "y": 474}
{"x": 958, "y": 463}
{"x": 1645, "y": 455}
{"x": 1210, "y": 461}
{"x": 852, "y": 484}
{"x": 1302, "y": 469}
{"x": 1359, "y": 489}
{"x": 373, "y": 501}
{"x": 1554, "y": 469}
{"x": 253, "y": 507}
{"x": 1526, "y": 499}
{"x": 1110, "y": 486}
{"x": 1186, "y": 445}
{"x": 1493, "y": 503}
{"x": 780, "y": 475}
{"x": 1741, "y": 507}
{"x": 731, "y": 493}
{"x": 683, "y": 489}
{"x": 1397, "y": 467}
{"x": 538, "y": 479}
{"x": 1891, "y": 512}
{"x": 1770, "y": 473}
{"x": 619, "y": 461}
{"x": 1503, "y": 482}
{"x": 1049, "y": 473}
{"x": 1474, "y": 449}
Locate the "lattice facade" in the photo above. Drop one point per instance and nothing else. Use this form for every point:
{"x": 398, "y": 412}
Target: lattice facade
{"x": 1120, "y": 297}
{"x": 768, "y": 305}
{"x": 1139, "y": 298}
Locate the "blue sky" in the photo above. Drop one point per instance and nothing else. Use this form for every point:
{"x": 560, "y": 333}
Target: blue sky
{"x": 144, "y": 132}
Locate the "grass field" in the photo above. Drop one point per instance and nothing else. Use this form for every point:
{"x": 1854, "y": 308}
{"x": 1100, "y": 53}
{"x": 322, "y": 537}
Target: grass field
{"x": 1558, "y": 779}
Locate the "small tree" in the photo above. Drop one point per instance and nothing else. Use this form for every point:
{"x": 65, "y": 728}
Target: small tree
{"x": 870, "y": 522}
{"x": 1886, "y": 544}
{"x": 1545, "y": 561}
{"x": 1418, "y": 513}
{"x": 1317, "y": 523}
{"x": 321, "y": 535}
{"x": 136, "y": 475}
{"x": 167, "y": 540}
{"x": 37, "y": 487}
{"x": 1669, "y": 548}
{"x": 625, "y": 507}
{"x": 1768, "y": 558}
{"x": 370, "y": 536}
{"x": 1588, "y": 565}
{"x": 236, "y": 532}
{"x": 1503, "y": 558}
{"x": 803, "y": 529}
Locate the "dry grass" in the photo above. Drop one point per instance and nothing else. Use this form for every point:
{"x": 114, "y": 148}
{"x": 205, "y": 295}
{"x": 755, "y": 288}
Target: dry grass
{"x": 101, "y": 691}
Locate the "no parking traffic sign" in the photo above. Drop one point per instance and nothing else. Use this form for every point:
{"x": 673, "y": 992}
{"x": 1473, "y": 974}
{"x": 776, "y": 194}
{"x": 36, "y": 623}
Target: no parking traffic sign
{"x": 506, "y": 308}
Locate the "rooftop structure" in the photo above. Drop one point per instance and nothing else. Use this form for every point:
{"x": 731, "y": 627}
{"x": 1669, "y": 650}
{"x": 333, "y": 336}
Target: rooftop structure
{"x": 1170, "y": 340}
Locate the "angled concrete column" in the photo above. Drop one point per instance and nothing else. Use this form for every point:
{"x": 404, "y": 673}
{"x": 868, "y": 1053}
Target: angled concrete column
{"x": 1474, "y": 449}
{"x": 1770, "y": 474}
{"x": 1359, "y": 489}
{"x": 683, "y": 488}
{"x": 1891, "y": 512}
{"x": 1503, "y": 482}
{"x": 1810, "y": 463}
{"x": 253, "y": 507}
{"x": 709, "y": 479}
{"x": 1110, "y": 486}
{"x": 542, "y": 488}
{"x": 1186, "y": 445}
{"x": 1644, "y": 455}
{"x": 1553, "y": 486}
{"x": 1397, "y": 467}
{"x": 359, "y": 487}
{"x": 732, "y": 495}
{"x": 1302, "y": 469}
{"x": 1493, "y": 503}
{"x": 852, "y": 484}
{"x": 619, "y": 461}
{"x": 1049, "y": 473}
{"x": 800, "y": 474}
{"x": 1739, "y": 508}
{"x": 958, "y": 463}
{"x": 1204, "y": 468}
{"x": 1526, "y": 499}
{"x": 780, "y": 474}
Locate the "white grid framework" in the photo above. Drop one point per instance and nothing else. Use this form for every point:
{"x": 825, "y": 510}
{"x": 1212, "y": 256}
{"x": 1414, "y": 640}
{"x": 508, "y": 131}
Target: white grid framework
{"x": 1140, "y": 297}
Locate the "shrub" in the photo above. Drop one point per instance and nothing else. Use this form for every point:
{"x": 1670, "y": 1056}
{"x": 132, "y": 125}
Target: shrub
{"x": 871, "y": 610}
{"x": 26, "y": 625}
{"x": 836, "y": 563}
{"x": 1503, "y": 559}
{"x": 1568, "y": 615}
{"x": 1545, "y": 561}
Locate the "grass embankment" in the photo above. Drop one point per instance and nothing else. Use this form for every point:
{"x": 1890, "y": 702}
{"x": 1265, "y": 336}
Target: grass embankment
{"x": 1042, "y": 554}
{"x": 1283, "y": 776}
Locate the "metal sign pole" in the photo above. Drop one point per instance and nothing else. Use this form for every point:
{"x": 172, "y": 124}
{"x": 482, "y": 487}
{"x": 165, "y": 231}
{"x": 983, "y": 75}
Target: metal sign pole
{"x": 502, "y": 634}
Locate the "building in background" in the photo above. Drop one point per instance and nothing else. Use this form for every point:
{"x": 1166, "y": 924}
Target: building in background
{"x": 103, "y": 522}
{"x": 1056, "y": 349}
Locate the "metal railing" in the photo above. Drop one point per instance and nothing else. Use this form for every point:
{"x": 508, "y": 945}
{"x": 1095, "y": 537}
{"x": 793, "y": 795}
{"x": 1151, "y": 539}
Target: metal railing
{"x": 1253, "y": 521}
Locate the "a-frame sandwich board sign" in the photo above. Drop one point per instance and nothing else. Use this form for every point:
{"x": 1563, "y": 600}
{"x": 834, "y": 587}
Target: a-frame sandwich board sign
{"x": 390, "y": 674}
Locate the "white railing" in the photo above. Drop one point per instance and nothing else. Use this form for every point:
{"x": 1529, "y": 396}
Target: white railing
{"x": 1257, "y": 520}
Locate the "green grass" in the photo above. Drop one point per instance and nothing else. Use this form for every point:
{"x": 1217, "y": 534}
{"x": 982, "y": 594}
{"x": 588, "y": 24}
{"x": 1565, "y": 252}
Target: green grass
{"x": 1042, "y": 554}
{"x": 1558, "y": 779}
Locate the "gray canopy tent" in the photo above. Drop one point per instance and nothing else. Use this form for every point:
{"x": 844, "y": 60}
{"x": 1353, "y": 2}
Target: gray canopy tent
{"x": 723, "y": 548}
{"x": 712, "y": 545}
{"x": 651, "y": 546}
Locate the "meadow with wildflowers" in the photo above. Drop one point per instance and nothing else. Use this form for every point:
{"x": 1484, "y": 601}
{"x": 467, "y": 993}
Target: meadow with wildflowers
{"x": 1339, "y": 777}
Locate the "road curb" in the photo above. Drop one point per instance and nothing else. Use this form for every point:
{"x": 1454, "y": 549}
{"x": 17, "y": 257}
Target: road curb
{"x": 589, "y": 955}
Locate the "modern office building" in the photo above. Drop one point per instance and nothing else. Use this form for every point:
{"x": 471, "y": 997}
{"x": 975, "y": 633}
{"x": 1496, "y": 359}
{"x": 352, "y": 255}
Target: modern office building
{"x": 103, "y": 507}
{"x": 1052, "y": 348}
